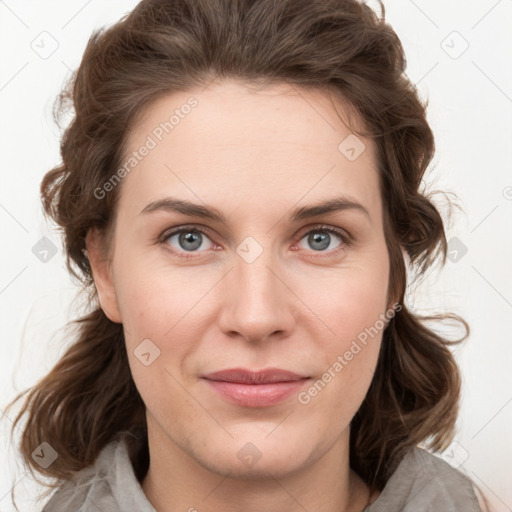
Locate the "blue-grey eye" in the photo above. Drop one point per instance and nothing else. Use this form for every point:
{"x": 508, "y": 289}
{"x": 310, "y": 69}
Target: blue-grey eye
{"x": 320, "y": 239}
{"x": 188, "y": 240}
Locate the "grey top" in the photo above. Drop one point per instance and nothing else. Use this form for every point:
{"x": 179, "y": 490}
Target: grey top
{"x": 422, "y": 482}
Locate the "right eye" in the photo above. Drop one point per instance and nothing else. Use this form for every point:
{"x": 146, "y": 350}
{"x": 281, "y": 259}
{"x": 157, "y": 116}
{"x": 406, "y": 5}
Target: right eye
{"x": 188, "y": 239}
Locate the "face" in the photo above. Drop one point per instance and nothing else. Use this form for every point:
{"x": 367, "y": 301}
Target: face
{"x": 259, "y": 288}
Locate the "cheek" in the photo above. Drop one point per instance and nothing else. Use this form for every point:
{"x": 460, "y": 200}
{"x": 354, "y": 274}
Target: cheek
{"x": 359, "y": 307}
{"x": 349, "y": 356}
{"x": 151, "y": 297}
{"x": 351, "y": 300}
{"x": 354, "y": 309}
{"x": 163, "y": 316}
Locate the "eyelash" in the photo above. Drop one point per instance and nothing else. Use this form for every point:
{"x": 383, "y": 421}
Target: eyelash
{"x": 346, "y": 239}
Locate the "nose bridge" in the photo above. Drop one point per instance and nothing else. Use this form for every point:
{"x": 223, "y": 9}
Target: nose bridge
{"x": 258, "y": 302}
{"x": 255, "y": 271}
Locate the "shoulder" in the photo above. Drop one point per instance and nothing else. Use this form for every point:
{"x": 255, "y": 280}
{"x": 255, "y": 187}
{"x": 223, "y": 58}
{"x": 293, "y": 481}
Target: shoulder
{"x": 424, "y": 482}
{"x": 90, "y": 488}
{"x": 102, "y": 486}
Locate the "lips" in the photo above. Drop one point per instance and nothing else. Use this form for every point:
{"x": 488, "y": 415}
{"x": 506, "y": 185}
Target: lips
{"x": 255, "y": 388}
{"x": 243, "y": 376}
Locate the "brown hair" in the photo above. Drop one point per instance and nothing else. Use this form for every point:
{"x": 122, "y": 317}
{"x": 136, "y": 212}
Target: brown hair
{"x": 162, "y": 46}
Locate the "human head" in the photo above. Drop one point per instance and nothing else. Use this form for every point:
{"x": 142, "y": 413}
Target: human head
{"x": 340, "y": 48}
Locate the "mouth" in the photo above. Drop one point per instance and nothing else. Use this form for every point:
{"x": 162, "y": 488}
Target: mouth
{"x": 250, "y": 388}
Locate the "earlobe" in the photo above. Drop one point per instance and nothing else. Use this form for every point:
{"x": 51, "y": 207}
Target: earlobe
{"x": 102, "y": 274}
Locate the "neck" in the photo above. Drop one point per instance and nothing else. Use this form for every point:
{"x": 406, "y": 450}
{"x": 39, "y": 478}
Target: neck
{"x": 178, "y": 481}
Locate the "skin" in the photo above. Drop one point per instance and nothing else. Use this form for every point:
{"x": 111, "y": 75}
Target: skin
{"x": 255, "y": 156}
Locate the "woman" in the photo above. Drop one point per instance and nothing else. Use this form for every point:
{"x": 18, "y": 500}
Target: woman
{"x": 228, "y": 363}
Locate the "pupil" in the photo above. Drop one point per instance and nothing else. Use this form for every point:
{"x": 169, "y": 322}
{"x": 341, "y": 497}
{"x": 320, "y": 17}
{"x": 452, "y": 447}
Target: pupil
{"x": 189, "y": 238}
{"x": 319, "y": 238}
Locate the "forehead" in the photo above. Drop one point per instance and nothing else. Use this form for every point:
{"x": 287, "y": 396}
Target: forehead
{"x": 277, "y": 145}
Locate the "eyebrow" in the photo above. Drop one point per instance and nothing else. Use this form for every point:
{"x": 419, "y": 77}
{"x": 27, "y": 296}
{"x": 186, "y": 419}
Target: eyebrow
{"x": 208, "y": 212}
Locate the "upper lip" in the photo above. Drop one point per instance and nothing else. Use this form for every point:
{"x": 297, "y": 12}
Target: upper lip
{"x": 245, "y": 376}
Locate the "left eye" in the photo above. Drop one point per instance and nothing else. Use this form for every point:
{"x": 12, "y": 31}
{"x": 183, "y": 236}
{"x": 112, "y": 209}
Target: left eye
{"x": 321, "y": 238}
{"x": 191, "y": 239}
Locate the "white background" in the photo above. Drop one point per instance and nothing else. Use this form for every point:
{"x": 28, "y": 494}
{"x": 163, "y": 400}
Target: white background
{"x": 470, "y": 111}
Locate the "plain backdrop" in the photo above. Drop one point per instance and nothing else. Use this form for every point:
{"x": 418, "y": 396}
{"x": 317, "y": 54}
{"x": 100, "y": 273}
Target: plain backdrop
{"x": 459, "y": 55}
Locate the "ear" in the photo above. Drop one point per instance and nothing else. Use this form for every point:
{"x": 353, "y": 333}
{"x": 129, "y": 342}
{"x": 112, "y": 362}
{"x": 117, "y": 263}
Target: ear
{"x": 102, "y": 274}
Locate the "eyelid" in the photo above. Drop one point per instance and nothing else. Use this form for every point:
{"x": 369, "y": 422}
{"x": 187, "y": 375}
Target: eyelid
{"x": 178, "y": 229}
{"x": 325, "y": 227}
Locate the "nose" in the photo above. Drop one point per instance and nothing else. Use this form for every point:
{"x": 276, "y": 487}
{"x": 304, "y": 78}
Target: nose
{"x": 259, "y": 298}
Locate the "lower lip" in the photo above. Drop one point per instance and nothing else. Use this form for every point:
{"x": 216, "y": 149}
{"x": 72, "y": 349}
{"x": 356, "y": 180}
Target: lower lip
{"x": 256, "y": 395}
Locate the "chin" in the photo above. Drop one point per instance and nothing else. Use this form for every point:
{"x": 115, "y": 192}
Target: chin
{"x": 261, "y": 470}
{"x": 243, "y": 459}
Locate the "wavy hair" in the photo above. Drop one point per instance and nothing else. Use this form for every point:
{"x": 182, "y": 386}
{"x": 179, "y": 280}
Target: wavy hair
{"x": 341, "y": 47}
